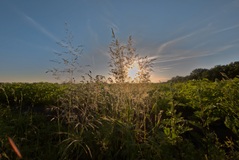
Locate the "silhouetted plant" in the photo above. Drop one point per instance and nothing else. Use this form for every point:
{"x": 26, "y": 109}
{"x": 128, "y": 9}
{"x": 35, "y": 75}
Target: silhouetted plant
{"x": 68, "y": 62}
{"x": 123, "y": 57}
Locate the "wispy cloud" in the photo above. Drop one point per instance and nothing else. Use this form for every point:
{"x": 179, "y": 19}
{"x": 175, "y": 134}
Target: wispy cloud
{"x": 34, "y": 23}
{"x": 40, "y": 28}
{"x": 197, "y": 44}
{"x": 153, "y": 57}
{"x": 226, "y": 29}
{"x": 180, "y": 55}
{"x": 172, "y": 42}
{"x": 162, "y": 69}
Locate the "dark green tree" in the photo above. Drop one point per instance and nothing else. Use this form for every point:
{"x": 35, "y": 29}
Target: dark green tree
{"x": 198, "y": 73}
{"x": 219, "y": 72}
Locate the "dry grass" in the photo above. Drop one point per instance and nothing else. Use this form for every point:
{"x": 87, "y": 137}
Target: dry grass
{"x": 14, "y": 147}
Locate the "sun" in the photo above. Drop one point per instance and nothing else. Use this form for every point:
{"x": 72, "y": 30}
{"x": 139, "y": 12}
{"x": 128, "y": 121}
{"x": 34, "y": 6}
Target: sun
{"x": 133, "y": 70}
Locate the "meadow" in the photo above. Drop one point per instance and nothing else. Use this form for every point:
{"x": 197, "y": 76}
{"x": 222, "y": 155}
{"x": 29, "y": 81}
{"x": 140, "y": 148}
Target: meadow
{"x": 197, "y": 119}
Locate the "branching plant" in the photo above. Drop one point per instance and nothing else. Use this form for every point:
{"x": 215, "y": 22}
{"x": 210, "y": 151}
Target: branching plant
{"x": 118, "y": 63}
{"x": 124, "y": 58}
{"x": 68, "y": 61}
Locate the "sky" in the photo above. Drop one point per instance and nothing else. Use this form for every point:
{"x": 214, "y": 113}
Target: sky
{"x": 183, "y": 35}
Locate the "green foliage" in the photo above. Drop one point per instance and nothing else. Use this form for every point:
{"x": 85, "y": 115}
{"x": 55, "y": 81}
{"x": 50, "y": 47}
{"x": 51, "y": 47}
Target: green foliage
{"x": 25, "y": 95}
{"x": 218, "y": 72}
{"x": 97, "y": 120}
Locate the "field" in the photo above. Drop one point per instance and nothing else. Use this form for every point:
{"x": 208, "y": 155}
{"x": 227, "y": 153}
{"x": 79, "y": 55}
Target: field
{"x": 197, "y": 119}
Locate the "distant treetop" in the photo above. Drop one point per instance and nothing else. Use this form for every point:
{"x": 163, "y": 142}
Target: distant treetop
{"x": 218, "y": 72}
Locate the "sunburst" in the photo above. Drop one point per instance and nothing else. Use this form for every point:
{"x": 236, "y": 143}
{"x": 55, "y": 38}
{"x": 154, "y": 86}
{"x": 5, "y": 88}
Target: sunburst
{"x": 133, "y": 70}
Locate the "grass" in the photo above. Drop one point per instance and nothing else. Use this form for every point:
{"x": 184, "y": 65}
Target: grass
{"x": 97, "y": 120}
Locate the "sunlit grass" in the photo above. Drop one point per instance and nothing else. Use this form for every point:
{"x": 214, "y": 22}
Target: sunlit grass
{"x": 98, "y": 120}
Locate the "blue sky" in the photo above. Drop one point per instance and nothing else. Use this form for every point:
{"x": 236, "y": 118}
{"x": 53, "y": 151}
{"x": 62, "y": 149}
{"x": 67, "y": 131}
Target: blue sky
{"x": 183, "y": 35}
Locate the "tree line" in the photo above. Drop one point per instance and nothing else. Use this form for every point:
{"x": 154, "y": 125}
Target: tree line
{"x": 218, "y": 72}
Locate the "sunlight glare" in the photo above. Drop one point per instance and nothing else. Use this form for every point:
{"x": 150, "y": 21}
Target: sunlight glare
{"x": 133, "y": 70}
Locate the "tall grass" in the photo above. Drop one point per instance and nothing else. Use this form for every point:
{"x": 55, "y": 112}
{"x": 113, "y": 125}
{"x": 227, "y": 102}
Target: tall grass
{"x": 99, "y": 120}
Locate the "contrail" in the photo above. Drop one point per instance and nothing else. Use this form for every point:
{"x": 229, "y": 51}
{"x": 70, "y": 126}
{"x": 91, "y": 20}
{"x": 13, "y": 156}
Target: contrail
{"x": 40, "y": 28}
{"x": 34, "y": 23}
